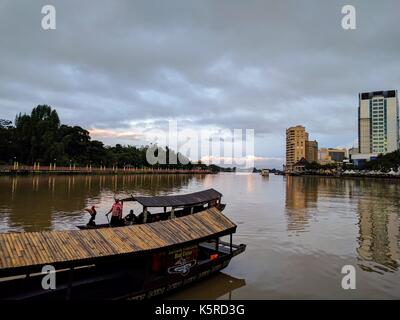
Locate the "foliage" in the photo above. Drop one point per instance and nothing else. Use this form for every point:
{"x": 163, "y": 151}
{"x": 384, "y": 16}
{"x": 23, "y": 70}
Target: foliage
{"x": 40, "y": 137}
{"x": 385, "y": 162}
{"x": 316, "y": 166}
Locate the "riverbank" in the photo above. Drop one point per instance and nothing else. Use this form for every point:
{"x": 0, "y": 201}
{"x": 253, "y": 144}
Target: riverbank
{"x": 53, "y": 170}
{"x": 352, "y": 175}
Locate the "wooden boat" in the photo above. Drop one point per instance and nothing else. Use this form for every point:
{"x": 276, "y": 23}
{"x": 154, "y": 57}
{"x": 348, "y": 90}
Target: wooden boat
{"x": 181, "y": 205}
{"x": 133, "y": 262}
{"x": 265, "y": 172}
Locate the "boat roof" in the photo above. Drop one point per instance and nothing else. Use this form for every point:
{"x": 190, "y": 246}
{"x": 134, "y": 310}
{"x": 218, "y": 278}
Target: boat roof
{"x": 178, "y": 200}
{"x": 30, "y": 251}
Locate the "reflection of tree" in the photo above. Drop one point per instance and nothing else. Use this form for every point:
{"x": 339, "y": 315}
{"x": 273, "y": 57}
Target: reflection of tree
{"x": 34, "y": 202}
{"x": 379, "y": 228}
{"x": 301, "y": 192}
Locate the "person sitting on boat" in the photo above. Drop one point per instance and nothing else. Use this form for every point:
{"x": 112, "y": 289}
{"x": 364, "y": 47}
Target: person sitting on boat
{"x": 116, "y": 213}
{"x": 130, "y": 218}
{"x": 92, "y": 211}
{"x": 140, "y": 217}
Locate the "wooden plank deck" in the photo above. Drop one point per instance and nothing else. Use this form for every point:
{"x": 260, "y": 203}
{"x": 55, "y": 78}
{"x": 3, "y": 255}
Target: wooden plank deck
{"x": 35, "y": 249}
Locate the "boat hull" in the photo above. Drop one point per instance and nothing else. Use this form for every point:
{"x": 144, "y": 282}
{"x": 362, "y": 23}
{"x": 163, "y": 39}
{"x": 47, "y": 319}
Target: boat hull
{"x": 171, "y": 284}
{"x": 123, "y": 282}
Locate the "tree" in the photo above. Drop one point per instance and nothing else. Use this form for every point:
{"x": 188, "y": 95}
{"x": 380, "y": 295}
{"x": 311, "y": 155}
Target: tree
{"x": 76, "y": 144}
{"x": 6, "y": 140}
{"x": 40, "y": 136}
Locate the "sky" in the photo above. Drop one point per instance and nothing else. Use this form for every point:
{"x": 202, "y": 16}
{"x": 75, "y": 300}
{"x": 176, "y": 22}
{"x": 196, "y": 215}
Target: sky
{"x": 124, "y": 68}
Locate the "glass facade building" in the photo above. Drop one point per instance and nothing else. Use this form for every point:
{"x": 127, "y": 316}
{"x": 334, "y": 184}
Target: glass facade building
{"x": 378, "y": 122}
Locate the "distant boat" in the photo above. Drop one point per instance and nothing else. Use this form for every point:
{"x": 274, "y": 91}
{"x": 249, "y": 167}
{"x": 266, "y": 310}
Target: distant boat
{"x": 264, "y": 172}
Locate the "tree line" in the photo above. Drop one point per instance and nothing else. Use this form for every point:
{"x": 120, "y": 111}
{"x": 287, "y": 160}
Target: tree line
{"x": 385, "y": 162}
{"x": 40, "y": 137}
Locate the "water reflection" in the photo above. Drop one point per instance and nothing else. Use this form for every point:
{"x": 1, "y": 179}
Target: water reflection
{"x": 300, "y": 195}
{"x": 223, "y": 287}
{"x": 299, "y": 231}
{"x": 379, "y": 230}
{"x": 375, "y": 204}
{"x": 50, "y": 202}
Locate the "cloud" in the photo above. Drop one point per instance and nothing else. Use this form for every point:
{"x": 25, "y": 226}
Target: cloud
{"x": 264, "y": 65}
{"x": 115, "y": 134}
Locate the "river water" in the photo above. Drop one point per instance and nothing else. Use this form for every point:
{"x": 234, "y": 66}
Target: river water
{"x": 299, "y": 231}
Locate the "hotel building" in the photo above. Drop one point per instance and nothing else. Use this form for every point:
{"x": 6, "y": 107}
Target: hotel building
{"x": 378, "y": 122}
{"x": 299, "y": 147}
{"x": 296, "y": 138}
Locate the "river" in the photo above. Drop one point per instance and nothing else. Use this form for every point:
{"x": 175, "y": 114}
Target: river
{"x": 299, "y": 231}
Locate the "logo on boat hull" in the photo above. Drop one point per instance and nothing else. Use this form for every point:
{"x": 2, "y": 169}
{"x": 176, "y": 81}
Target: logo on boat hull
{"x": 182, "y": 266}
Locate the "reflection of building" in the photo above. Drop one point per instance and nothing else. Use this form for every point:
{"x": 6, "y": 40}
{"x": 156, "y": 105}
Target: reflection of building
{"x": 379, "y": 234}
{"x": 331, "y": 155}
{"x": 301, "y": 193}
{"x": 299, "y": 147}
{"x": 378, "y": 122}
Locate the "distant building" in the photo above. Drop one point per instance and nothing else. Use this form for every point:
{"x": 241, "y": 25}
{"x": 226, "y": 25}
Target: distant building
{"x": 360, "y": 159}
{"x": 296, "y": 138}
{"x": 353, "y": 151}
{"x": 312, "y": 151}
{"x": 378, "y": 122}
{"x": 299, "y": 147}
{"x": 331, "y": 155}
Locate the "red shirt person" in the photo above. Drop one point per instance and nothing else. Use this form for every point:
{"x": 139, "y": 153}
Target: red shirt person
{"x": 116, "y": 213}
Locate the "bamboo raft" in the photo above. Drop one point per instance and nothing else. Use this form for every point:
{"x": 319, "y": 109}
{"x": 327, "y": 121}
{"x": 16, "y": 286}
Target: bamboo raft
{"x": 28, "y": 252}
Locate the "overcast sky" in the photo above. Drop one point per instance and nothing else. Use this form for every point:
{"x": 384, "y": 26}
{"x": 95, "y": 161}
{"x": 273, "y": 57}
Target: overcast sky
{"x": 120, "y": 68}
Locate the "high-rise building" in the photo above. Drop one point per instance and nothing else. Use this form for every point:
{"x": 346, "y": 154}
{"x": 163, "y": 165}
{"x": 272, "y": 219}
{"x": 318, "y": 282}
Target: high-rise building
{"x": 378, "y": 122}
{"x": 312, "y": 151}
{"x": 296, "y": 138}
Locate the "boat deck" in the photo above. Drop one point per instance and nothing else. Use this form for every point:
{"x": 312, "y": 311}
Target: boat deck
{"x": 29, "y": 251}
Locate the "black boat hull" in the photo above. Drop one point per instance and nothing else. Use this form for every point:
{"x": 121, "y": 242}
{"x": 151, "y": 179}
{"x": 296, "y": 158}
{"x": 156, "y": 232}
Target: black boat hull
{"x": 171, "y": 284}
{"x": 123, "y": 283}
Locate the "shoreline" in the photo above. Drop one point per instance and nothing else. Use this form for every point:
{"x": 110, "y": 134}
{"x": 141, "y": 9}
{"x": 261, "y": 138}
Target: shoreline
{"x": 358, "y": 176}
{"x": 21, "y": 172}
